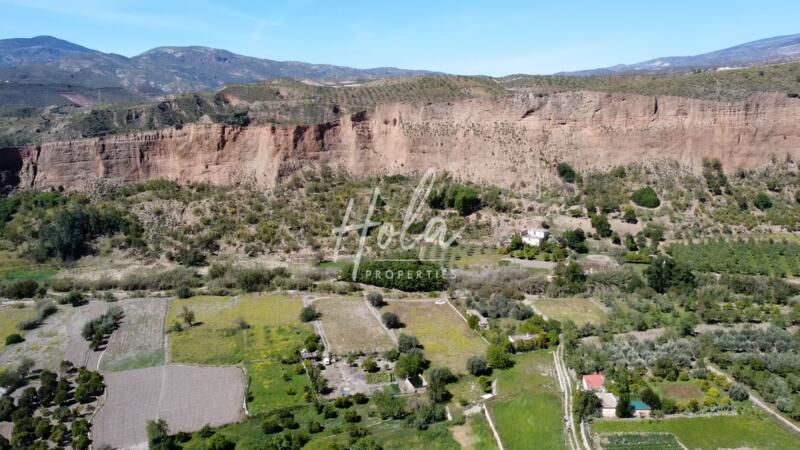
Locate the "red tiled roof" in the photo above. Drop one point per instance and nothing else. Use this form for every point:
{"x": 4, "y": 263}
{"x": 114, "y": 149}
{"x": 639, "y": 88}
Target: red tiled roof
{"x": 594, "y": 380}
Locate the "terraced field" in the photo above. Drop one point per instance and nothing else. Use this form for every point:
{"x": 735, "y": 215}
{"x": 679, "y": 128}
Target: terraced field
{"x": 579, "y": 310}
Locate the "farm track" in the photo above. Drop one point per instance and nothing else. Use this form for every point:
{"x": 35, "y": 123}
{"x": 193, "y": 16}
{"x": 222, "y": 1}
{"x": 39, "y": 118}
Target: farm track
{"x": 757, "y": 401}
{"x": 566, "y": 388}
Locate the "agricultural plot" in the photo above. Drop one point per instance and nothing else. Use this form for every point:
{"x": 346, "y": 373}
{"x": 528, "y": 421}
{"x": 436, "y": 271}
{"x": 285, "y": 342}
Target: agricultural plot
{"x": 13, "y": 268}
{"x": 751, "y": 257}
{"x": 273, "y": 386}
{"x": 350, "y": 326}
{"x": 217, "y": 338}
{"x": 446, "y": 338}
{"x": 579, "y": 310}
{"x": 139, "y": 341}
{"x": 639, "y": 441}
{"x": 10, "y": 316}
{"x": 527, "y": 408}
{"x": 58, "y": 338}
{"x": 181, "y": 395}
{"x": 710, "y": 433}
{"x": 681, "y": 391}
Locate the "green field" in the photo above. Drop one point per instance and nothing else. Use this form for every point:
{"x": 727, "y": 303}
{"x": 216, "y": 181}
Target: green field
{"x": 273, "y": 385}
{"x": 709, "y": 433}
{"x": 527, "y": 408}
{"x": 579, "y": 310}
{"x": 10, "y": 316}
{"x": 680, "y": 391}
{"x": 215, "y": 339}
{"x": 446, "y": 339}
{"x": 13, "y": 268}
{"x": 640, "y": 441}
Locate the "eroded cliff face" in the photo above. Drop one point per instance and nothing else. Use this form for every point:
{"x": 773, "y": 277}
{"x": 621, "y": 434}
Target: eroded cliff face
{"x": 504, "y": 141}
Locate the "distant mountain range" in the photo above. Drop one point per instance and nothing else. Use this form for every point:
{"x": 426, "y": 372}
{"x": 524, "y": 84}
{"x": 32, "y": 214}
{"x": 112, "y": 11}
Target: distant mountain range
{"x": 46, "y": 60}
{"x": 775, "y": 50}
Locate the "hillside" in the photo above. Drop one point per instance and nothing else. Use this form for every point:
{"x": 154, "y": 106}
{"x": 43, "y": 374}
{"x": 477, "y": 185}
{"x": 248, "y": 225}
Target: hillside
{"x": 48, "y": 60}
{"x": 724, "y": 85}
{"x": 773, "y": 50}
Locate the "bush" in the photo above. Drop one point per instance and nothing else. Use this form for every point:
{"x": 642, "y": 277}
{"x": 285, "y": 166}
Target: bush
{"x": 21, "y": 289}
{"x": 566, "y": 172}
{"x": 14, "y": 338}
{"x": 498, "y": 357}
{"x": 183, "y": 292}
{"x": 477, "y": 365}
{"x": 375, "y": 299}
{"x": 601, "y": 225}
{"x": 73, "y": 298}
{"x": 762, "y": 201}
{"x": 646, "y": 197}
{"x": 309, "y": 314}
{"x": 738, "y": 392}
{"x": 391, "y": 320}
{"x": 352, "y": 416}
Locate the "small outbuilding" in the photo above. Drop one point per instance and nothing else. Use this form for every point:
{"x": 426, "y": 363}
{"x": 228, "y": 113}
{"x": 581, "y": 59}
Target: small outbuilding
{"x": 483, "y": 322}
{"x": 535, "y": 236}
{"x": 594, "y": 382}
{"x": 640, "y": 409}
{"x": 608, "y": 408}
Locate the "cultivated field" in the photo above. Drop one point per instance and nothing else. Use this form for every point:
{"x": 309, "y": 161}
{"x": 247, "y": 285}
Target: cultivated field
{"x": 681, "y": 391}
{"x": 579, "y": 310}
{"x": 10, "y": 316}
{"x": 139, "y": 341}
{"x": 446, "y": 339}
{"x": 639, "y": 441}
{"x": 217, "y": 339}
{"x": 710, "y": 433}
{"x": 350, "y": 325}
{"x": 57, "y": 339}
{"x": 273, "y": 385}
{"x": 186, "y": 397}
{"x": 527, "y": 408}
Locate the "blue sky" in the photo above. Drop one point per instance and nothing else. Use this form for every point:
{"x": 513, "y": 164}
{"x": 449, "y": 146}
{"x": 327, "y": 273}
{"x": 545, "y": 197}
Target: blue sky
{"x": 469, "y": 37}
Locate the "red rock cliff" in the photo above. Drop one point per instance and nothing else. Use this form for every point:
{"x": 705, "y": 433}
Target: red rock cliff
{"x": 502, "y": 141}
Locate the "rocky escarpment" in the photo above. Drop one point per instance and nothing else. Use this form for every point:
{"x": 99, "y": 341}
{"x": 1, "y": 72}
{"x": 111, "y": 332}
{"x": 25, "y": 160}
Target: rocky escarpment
{"x": 502, "y": 141}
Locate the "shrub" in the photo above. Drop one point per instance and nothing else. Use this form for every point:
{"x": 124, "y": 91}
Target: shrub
{"x": 762, "y": 201}
{"x": 566, "y": 172}
{"x": 391, "y": 320}
{"x": 601, "y": 225}
{"x": 183, "y": 292}
{"x": 73, "y": 298}
{"x": 477, "y": 365}
{"x": 309, "y": 314}
{"x": 498, "y": 357}
{"x": 375, "y": 298}
{"x": 352, "y": 416}
{"x": 646, "y": 197}
{"x": 738, "y": 392}
{"x": 21, "y": 289}
{"x": 14, "y": 338}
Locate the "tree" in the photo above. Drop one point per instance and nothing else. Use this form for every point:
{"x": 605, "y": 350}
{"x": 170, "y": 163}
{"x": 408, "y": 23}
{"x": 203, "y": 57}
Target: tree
{"x": 187, "y": 315}
{"x": 624, "y": 405}
{"x": 369, "y": 365}
{"x": 309, "y": 314}
{"x": 601, "y": 225}
{"x": 629, "y": 214}
{"x": 762, "y": 201}
{"x": 157, "y": 435}
{"x": 498, "y": 356}
{"x": 566, "y": 172}
{"x": 438, "y": 378}
{"x": 664, "y": 273}
{"x": 738, "y": 392}
{"x": 219, "y": 442}
{"x": 467, "y": 201}
{"x": 570, "y": 278}
{"x": 576, "y": 240}
{"x": 586, "y": 404}
{"x": 407, "y": 343}
{"x": 388, "y": 405}
{"x": 650, "y": 397}
{"x": 391, "y": 320}
{"x": 409, "y": 365}
{"x": 14, "y": 338}
{"x": 477, "y": 366}
{"x": 646, "y": 197}
{"x": 375, "y": 298}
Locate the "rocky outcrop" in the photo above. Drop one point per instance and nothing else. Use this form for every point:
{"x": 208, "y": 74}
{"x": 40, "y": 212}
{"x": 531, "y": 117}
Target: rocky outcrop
{"x": 502, "y": 141}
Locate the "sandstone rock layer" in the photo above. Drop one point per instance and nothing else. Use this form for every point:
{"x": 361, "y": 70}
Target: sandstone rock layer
{"x": 502, "y": 141}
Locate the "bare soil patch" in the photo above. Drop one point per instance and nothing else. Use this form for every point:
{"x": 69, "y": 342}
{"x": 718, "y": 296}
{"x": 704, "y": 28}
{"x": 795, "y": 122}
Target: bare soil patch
{"x": 139, "y": 341}
{"x": 187, "y": 397}
{"x": 350, "y": 326}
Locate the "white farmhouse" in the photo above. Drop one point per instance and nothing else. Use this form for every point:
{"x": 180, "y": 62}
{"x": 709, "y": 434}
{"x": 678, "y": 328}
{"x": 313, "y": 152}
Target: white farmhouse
{"x": 535, "y": 236}
{"x": 608, "y": 409}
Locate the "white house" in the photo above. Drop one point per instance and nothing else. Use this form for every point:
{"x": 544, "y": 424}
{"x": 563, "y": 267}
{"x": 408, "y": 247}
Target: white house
{"x": 608, "y": 409}
{"x": 535, "y": 236}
